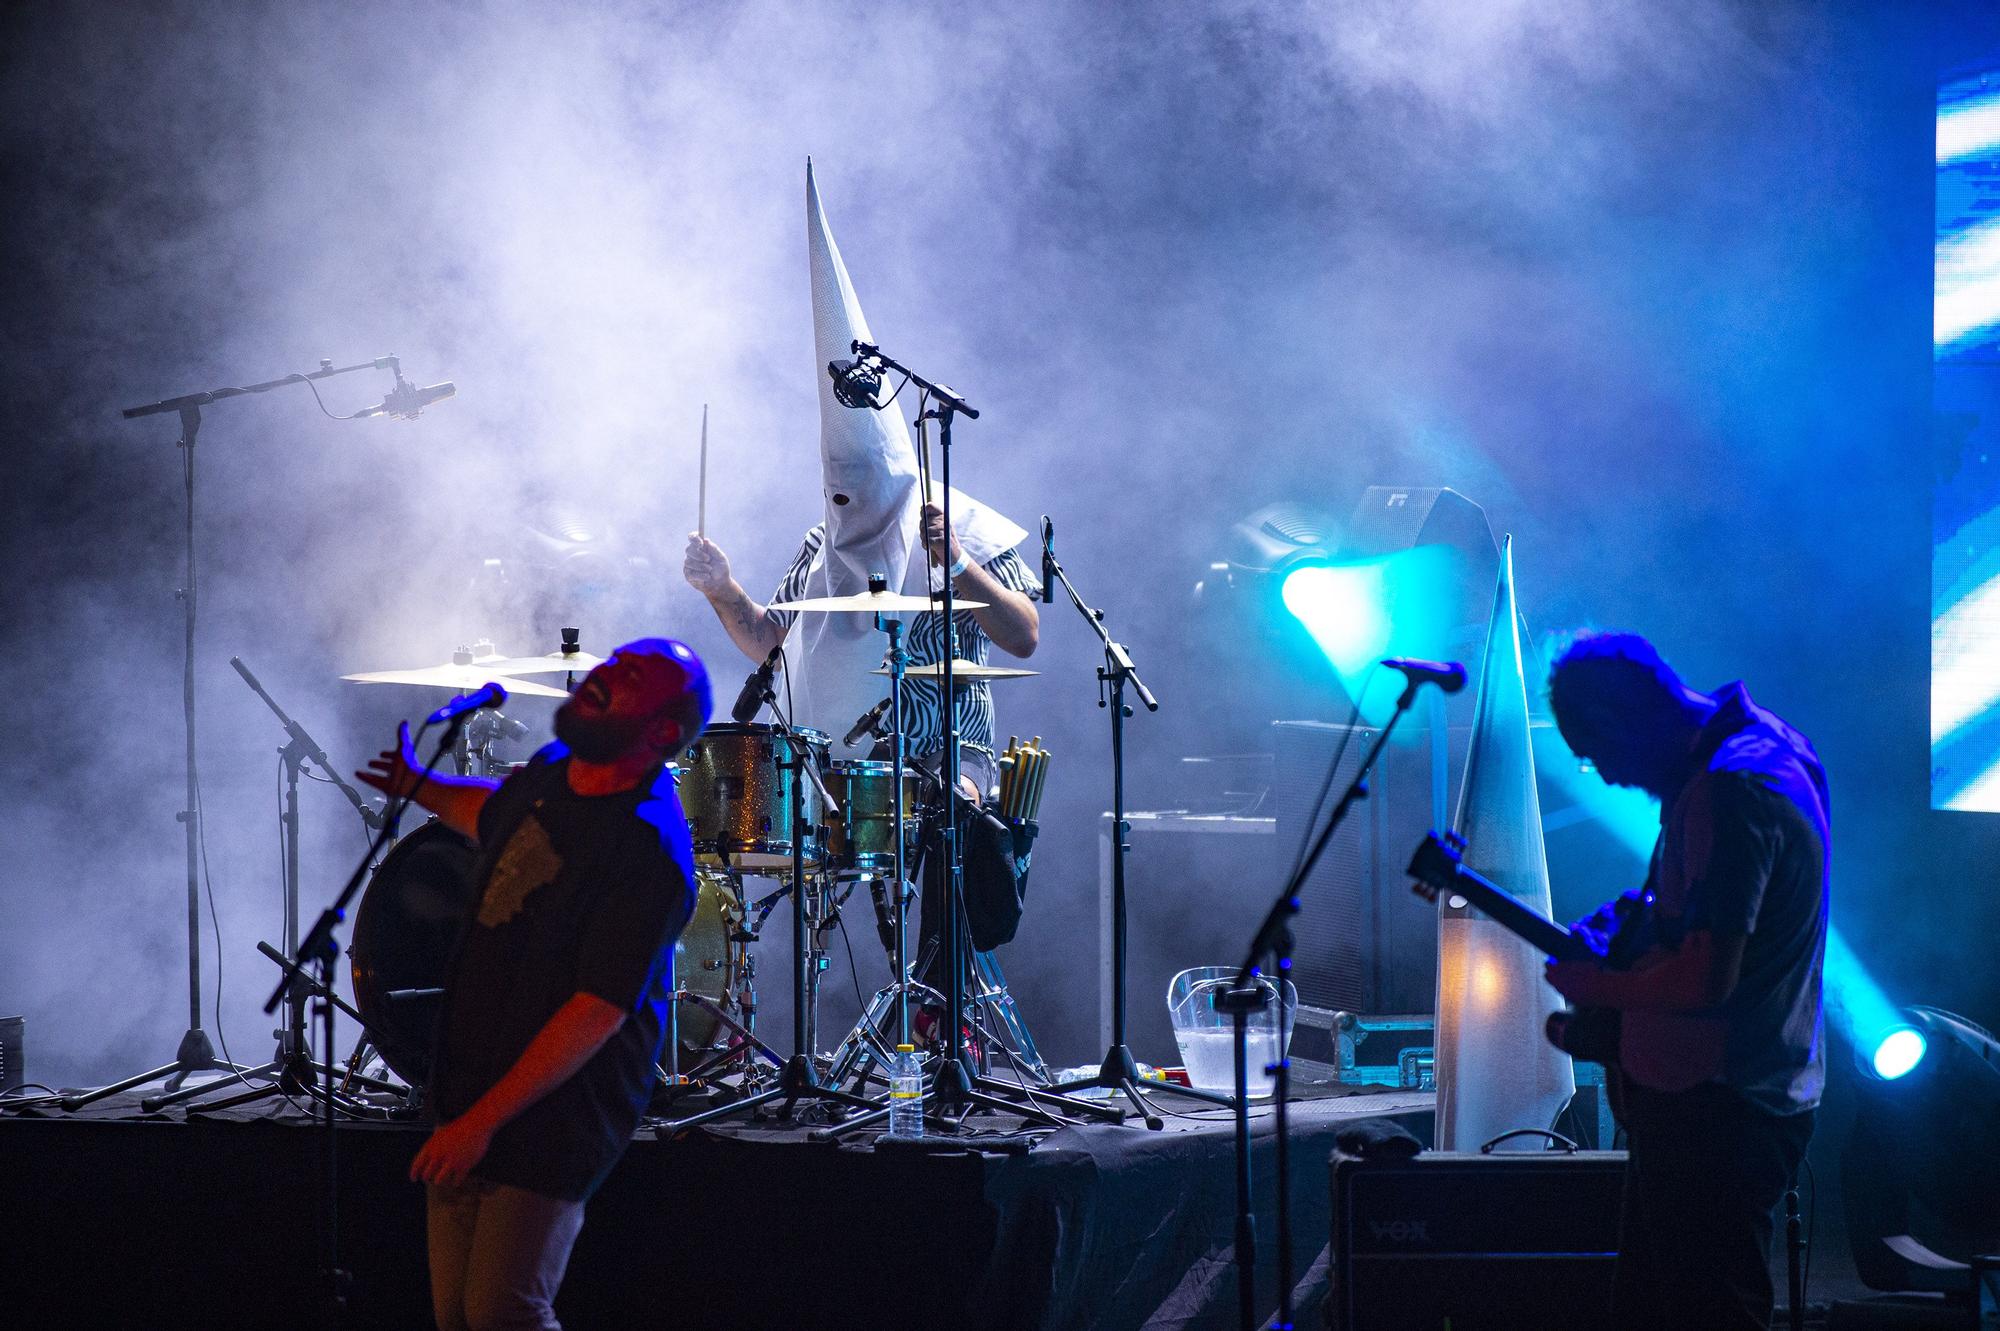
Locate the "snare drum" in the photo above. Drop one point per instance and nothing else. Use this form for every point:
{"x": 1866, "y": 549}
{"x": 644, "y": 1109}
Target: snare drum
{"x": 737, "y": 790}
{"x": 862, "y": 839}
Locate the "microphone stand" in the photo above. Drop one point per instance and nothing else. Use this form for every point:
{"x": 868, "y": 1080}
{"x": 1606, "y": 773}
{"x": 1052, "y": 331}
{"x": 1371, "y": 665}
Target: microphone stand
{"x": 1119, "y": 1070}
{"x": 196, "y": 1053}
{"x": 320, "y": 949}
{"x": 293, "y": 1064}
{"x": 1273, "y": 939}
{"x": 956, "y": 1087}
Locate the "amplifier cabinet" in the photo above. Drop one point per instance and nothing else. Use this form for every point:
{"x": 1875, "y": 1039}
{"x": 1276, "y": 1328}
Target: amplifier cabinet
{"x": 1473, "y": 1242}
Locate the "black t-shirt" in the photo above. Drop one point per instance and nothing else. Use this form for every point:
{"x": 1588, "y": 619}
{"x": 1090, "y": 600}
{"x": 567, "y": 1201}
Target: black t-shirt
{"x": 575, "y": 895}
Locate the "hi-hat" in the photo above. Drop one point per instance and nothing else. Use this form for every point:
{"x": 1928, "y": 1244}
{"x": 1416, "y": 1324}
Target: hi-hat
{"x": 961, "y": 671}
{"x": 457, "y": 678}
{"x": 887, "y": 603}
{"x": 581, "y": 662}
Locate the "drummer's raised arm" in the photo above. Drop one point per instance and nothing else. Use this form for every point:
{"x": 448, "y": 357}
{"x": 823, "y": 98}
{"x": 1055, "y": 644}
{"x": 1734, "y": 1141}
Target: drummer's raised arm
{"x": 456, "y": 800}
{"x": 753, "y": 630}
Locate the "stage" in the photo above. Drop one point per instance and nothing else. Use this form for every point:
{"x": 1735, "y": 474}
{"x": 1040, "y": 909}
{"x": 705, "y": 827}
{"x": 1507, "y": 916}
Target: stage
{"x": 110, "y": 1217}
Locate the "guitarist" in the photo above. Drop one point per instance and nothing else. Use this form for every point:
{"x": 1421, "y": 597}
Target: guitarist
{"x": 1719, "y": 1037}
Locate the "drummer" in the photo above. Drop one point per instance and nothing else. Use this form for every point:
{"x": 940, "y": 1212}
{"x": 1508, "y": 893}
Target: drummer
{"x": 1008, "y": 620}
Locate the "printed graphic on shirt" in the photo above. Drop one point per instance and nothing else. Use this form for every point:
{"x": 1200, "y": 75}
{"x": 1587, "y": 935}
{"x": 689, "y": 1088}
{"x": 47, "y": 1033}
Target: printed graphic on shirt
{"x": 529, "y": 861}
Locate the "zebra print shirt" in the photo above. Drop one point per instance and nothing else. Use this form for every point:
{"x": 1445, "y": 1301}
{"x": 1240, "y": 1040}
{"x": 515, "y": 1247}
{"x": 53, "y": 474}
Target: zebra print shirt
{"x": 923, "y": 728}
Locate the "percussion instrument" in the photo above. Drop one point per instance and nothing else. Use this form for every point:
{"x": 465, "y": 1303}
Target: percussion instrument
{"x": 870, "y": 603}
{"x": 408, "y": 923}
{"x": 737, "y": 791}
{"x": 458, "y": 678}
{"x": 861, "y": 839}
{"x": 962, "y": 672}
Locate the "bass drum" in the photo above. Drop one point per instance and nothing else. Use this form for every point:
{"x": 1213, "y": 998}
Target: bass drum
{"x": 403, "y": 936}
{"x": 408, "y": 924}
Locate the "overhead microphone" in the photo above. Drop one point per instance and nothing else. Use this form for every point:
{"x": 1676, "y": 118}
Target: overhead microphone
{"x": 750, "y": 699}
{"x": 491, "y": 695}
{"x": 407, "y": 400}
{"x": 855, "y": 382}
{"x": 1449, "y": 676}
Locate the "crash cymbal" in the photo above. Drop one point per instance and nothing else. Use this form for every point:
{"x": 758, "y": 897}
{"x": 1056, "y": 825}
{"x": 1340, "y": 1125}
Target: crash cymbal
{"x": 888, "y": 603}
{"x": 457, "y": 678}
{"x": 580, "y": 662}
{"x": 966, "y": 671}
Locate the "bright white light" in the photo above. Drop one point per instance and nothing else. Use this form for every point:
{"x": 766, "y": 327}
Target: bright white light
{"x": 1966, "y": 284}
{"x": 1969, "y": 129}
{"x": 1900, "y": 1051}
{"x": 1965, "y": 659}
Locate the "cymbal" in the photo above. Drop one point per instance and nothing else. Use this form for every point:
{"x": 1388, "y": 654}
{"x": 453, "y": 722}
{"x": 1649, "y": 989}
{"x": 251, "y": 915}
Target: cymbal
{"x": 457, "y": 678}
{"x": 888, "y": 603}
{"x": 580, "y": 662}
{"x": 966, "y": 671}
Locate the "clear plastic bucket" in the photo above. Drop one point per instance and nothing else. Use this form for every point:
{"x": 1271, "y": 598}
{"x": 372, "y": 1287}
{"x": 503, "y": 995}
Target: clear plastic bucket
{"x": 1207, "y": 1036}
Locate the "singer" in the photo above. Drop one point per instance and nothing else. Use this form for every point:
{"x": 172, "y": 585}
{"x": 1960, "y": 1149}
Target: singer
{"x": 555, "y": 999}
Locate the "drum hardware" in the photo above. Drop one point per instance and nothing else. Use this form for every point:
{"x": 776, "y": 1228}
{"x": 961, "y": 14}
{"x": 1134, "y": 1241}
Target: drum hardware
{"x": 874, "y": 601}
{"x": 797, "y": 1079}
{"x": 469, "y": 668}
{"x": 1119, "y": 1071}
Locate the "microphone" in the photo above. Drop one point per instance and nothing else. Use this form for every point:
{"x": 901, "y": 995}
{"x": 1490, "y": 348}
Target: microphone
{"x": 750, "y": 700}
{"x": 492, "y": 695}
{"x": 1048, "y": 560}
{"x": 855, "y": 382}
{"x": 407, "y": 400}
{"x": 1449, "y": 676}
{"x": 885, "y": 915}
{"x": 866, "y": 725}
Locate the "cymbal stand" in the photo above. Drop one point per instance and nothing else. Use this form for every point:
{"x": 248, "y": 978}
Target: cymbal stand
{"x": 1119, "y": 1071}
{"x": 196, "y": 1053}
{"x": 956, "y": 1089}
{"x": 292, "y": 1067}
{"x": 797, "y": 1080}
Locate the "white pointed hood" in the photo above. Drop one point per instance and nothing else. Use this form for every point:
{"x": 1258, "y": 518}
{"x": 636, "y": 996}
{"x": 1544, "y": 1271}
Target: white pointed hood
{"x": 869, "y": 474}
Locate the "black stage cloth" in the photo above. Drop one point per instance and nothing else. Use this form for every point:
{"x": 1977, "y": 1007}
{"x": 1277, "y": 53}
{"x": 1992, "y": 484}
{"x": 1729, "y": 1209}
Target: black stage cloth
{"x": 109, "y": 1218}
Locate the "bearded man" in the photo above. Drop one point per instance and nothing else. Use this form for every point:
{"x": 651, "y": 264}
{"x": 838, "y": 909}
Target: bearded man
{"x": 555, "y": 1001}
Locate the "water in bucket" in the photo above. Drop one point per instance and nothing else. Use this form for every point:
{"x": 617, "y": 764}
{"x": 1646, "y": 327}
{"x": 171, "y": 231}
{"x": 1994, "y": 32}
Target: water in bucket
{"x": 1207, "y": 1037}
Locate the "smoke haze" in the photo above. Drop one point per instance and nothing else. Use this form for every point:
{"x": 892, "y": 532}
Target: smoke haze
{"x": 1648, "y": 282}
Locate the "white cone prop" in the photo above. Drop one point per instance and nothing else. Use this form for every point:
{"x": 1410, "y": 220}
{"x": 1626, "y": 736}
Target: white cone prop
{"x": 1495, "y": 1071}
{"x": 869, "y": 468}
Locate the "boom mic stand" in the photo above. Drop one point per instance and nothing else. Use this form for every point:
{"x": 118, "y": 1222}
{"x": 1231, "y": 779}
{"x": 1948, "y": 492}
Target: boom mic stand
{"x": 321, "y": 950}
{"x": 196, "y": 1053}
{"x": 1119, "y": 1071}
{"x": 293, "y": 1065}
{"x": 1274, "y": 939}
{"x": 955, "y": 1085}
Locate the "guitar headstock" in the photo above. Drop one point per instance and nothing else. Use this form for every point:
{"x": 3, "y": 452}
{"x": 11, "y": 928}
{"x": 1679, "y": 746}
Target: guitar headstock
{"x": 1434, "y": 869}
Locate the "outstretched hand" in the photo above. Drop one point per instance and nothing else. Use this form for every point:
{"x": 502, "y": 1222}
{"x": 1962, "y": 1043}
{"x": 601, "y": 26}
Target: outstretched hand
{"x": 394, "y": 772}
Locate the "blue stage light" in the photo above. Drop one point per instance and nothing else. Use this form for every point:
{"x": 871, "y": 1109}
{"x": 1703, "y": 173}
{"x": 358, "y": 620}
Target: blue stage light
{"x": 1898, "y": 1053}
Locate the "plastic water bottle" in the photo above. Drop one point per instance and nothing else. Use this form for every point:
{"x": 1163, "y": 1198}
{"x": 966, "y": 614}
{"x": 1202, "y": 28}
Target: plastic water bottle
{"x": 906, "y": 1093}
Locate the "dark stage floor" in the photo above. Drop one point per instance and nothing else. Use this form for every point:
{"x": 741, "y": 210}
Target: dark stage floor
{"x": 111, "y": 1217}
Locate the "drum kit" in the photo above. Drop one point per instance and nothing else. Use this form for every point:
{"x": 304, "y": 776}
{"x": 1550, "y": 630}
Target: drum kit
{"x": 763, "y": 801}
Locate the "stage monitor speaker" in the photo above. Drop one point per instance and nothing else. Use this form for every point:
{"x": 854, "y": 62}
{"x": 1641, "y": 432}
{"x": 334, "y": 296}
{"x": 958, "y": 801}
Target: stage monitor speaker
{"x": 1474, "y": 1242}
{"x": 13, "y": 1036}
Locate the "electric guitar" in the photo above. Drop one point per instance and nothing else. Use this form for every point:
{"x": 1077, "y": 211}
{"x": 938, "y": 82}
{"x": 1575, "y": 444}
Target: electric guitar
{"x": 1591, "y": 1034}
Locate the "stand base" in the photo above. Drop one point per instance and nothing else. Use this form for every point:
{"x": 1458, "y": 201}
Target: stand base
{"x": 195, "y": 1054}
{"x": 1120, "y": 1072}
{"x": 796, "y": 1082}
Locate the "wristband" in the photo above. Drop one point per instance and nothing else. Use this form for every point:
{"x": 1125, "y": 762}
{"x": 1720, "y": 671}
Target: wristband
{"x": 964, "y": 563}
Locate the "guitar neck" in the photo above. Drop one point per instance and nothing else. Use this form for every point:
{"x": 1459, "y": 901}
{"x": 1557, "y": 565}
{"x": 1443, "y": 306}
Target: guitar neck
{"x": 1519, "y": 919}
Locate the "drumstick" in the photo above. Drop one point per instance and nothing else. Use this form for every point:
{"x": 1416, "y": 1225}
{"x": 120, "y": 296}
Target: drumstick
{"x": 701, "y": 500}
{"x": 1041, "y": 779}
